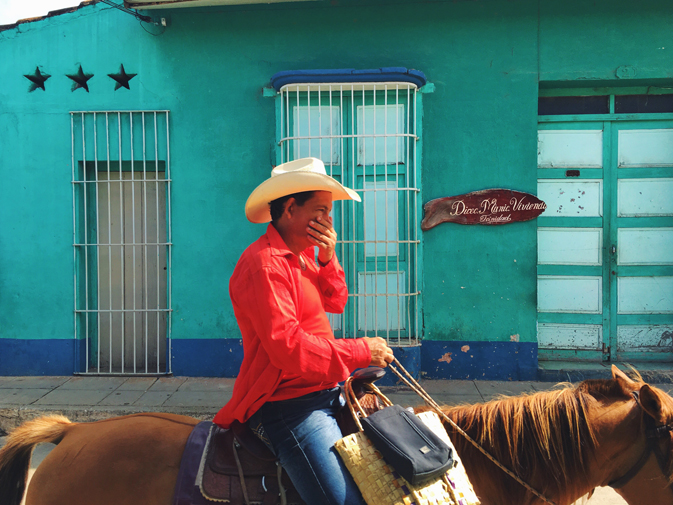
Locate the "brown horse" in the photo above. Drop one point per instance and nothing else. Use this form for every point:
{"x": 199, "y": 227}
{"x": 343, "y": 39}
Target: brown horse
{"x": 564, "y": 443}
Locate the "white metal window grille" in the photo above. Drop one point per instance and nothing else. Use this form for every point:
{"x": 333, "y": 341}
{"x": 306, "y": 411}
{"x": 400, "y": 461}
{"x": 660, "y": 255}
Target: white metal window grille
{"x": 366, "y": 135}
{"x": 122, "y": 241}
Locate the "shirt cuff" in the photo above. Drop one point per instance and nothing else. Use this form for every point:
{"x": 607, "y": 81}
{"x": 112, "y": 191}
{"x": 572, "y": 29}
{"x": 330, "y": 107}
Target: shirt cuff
{"x": 323, "y": 265}
{"x": 362, "y": 354}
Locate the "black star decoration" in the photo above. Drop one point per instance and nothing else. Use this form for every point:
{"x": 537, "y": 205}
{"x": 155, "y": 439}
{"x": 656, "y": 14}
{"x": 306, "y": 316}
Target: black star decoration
{"x": 80, "y": 79}
{"x": 37, "y": 79}
{"x": 122, "y": 78}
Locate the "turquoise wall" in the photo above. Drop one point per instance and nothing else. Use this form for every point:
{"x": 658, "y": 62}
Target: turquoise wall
{"x": 485, "y": 59}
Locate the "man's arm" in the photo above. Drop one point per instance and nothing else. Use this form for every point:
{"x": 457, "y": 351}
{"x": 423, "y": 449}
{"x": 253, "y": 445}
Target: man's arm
{"x": 268, "y": 304}
{"x": 331, "y": 278}
{"x": 333, "y": 284}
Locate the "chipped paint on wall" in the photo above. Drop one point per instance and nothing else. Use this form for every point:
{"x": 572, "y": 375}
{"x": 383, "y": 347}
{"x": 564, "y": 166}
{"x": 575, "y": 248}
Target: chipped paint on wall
{"x": 446, "y": 358}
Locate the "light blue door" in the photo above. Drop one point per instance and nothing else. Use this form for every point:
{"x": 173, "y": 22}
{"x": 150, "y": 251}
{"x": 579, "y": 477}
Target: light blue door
{"x": 605, "y": 243}
{"x": 641, "y": 241}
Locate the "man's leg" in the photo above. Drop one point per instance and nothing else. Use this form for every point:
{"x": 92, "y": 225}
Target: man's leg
{"x": 302, "y": 433}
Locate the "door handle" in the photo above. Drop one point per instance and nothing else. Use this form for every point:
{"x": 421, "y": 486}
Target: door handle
{"x": 614, "y": 249}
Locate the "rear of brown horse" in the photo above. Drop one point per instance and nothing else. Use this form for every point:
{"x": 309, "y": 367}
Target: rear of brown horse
{"x": 564, "y": 443}
{"x": 126, "y": 460}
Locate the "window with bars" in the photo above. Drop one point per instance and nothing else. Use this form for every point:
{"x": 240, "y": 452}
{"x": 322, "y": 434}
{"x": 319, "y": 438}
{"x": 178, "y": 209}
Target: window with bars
{"x": 121, "y": 238}
{"x": 366, "y": 135}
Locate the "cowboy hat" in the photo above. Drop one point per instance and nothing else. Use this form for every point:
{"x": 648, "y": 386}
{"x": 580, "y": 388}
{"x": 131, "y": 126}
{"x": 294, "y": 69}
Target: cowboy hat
{"x": 305, "y": 174}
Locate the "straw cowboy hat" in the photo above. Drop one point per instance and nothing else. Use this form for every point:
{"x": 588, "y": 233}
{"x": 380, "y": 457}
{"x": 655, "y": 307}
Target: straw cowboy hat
{"x": 305, "y": 174}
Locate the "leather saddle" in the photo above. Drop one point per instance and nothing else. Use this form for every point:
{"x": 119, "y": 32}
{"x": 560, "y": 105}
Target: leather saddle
{"x": 238, "y": 468}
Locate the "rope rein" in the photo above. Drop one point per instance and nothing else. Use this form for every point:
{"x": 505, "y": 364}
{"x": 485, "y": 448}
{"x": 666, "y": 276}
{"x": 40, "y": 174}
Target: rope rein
{"x": 416, "y": 388}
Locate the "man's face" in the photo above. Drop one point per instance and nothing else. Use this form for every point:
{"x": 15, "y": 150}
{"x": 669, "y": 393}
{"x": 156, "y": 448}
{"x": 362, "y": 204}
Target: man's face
{"x": 318, "y": 206}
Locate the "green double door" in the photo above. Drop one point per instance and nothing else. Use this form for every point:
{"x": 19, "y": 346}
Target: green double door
{"x": 605, "y": 242}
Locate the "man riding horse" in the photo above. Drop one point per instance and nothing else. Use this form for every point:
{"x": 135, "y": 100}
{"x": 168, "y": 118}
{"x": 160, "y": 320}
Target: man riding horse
{"x": 287, "y": 386}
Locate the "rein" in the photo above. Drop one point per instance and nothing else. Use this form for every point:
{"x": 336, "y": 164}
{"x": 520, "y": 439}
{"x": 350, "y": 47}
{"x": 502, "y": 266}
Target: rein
{"x": 652, "y": 434}
{"x": 416, "y": 387}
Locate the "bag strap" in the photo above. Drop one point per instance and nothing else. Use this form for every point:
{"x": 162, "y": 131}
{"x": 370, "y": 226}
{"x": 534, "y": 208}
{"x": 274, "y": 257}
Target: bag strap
{"x": 416, "y": 388}
{"x": 384, "y": 399}
{"x": 354, "y": 403}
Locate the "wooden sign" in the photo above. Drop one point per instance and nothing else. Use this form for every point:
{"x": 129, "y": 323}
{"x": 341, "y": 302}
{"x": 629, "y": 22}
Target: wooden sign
{"x": 487, "y": 207}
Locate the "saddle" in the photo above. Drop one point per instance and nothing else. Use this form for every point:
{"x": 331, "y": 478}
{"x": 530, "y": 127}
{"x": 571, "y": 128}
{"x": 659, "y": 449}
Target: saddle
{"x": 236, "y": 467}
{"x": 239, "y": 468}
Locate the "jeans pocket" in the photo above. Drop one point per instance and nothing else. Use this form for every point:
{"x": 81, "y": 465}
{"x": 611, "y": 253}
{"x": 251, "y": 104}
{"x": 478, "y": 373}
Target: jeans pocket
{"x": 257, "y": 427}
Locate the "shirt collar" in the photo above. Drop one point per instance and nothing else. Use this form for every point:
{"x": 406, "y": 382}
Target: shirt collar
{"x": 278, "y": 245}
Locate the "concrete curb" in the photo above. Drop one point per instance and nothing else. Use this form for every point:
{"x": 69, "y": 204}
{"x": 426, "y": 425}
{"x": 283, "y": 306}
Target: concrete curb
{"x": 13, "y": 416}
{"x": 574, "y": 375}
{"x": 10, "y": 418}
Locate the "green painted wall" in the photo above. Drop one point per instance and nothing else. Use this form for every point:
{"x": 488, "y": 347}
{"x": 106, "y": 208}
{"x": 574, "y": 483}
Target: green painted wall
{"x": 485, "y": 59}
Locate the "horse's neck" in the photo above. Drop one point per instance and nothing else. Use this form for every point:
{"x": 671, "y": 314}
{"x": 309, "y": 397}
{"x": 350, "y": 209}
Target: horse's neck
{"x": 614, "y": 430}
{"x": 620, "y": 439}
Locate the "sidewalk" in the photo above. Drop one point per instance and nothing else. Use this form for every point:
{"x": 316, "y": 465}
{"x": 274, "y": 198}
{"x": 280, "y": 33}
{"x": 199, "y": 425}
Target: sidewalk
{"x": 92, "y": 398}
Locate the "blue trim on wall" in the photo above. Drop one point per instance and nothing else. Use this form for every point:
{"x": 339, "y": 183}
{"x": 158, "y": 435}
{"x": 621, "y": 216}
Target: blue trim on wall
{"x": 479, "y": 360}
{"x": 37, "y": 357}
{"x": 207, "y": 357}
{"x": 223, "y": 358}
{"x": 385, "y": 74}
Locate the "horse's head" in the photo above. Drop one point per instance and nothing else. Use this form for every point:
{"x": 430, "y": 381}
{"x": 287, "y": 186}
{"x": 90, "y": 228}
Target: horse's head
{"x": 646, "y": 475}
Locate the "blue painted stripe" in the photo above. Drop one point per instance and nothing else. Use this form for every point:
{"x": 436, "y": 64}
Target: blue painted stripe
{"x": 479, "y": 360}
{"x": 483, "y": 360}
{"x": 385, "y": 74}
{"x": 21, "y": 357}
{"x": 205, "y": 357}
{"x": 223, "y": 358}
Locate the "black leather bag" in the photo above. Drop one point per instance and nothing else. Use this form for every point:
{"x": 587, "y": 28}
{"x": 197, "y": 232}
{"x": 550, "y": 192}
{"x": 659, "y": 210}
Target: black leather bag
{"x": 406, "y": 443}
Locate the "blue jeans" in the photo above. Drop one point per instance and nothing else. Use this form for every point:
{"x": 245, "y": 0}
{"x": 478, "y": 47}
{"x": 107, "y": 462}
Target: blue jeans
{"x": 302, "y": 432}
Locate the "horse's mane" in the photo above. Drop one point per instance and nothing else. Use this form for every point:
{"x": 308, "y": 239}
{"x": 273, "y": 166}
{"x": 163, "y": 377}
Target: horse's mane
{"x": 541, "y": 434}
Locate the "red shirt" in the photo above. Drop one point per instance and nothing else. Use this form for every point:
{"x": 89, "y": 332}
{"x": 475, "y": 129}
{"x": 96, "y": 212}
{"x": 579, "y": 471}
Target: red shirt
{"x": 282, "y": 360}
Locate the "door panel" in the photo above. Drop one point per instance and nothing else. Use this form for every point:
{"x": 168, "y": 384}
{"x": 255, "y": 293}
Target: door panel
{"x": 641, "y": 236}
{"x": 646, "y": 148}
{"x": 570, "y": 148}
{"x": 645, "y": 338}
{"x": 645, "y": 246}
{"x": 571, "y": 240}
{"x": 570, "y": 246}
{"x": 579, "y": 295}
{"x": 572, "y": 198}
{"x": 645, "y": 295}
{"x": 570, "y": 336}
{"x": 645, "y": 197}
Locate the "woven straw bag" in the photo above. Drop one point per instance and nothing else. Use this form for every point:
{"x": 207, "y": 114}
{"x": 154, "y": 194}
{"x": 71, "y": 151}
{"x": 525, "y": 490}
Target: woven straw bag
{"x": 380, "y": 484}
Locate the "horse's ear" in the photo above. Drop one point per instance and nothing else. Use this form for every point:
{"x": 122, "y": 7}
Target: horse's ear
{"x": 617, "y": 373}
{"x": 651, "y": 403}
